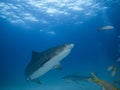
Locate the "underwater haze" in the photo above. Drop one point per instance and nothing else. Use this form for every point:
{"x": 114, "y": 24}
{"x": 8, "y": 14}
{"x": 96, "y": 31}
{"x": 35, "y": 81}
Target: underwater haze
{"x": 93, "y": 26}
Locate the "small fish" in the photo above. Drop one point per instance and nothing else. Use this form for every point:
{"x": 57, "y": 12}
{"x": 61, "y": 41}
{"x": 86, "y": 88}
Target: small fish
{"x": 114, "y": 71}
{"x": 118, "y": 60}
{"x": 108, "y": 27}
{"x": 118, "y": 36}
{"x": 110, "y": 67}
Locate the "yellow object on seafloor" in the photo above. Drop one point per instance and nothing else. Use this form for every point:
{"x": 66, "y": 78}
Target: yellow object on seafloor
{"x": 104, "y": 84}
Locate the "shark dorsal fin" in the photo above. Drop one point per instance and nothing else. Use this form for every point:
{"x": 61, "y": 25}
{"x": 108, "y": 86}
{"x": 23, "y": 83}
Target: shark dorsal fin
{"x": 35, "y": 54}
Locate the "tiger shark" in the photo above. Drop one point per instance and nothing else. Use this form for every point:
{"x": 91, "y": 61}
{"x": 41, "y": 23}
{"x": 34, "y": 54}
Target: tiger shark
{"x": 42, "y": 62}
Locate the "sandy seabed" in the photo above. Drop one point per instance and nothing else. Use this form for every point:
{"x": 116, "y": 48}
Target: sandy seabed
{"x": 55, "y": 86}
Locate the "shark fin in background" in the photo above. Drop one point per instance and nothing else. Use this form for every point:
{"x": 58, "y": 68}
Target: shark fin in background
{"x": 58, "y": 66}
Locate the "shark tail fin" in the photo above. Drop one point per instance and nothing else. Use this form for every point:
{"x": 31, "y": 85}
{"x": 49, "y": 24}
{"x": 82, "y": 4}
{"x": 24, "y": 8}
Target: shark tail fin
{"x": 95, "y": 78}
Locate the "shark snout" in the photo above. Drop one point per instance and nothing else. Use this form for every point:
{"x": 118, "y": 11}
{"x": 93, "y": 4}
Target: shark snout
{"x": 70, "y": 46}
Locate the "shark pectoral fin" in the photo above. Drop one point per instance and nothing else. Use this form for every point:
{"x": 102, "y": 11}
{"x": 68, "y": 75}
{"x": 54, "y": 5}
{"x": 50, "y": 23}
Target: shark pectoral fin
{"x": 37, "y": 81}
{"x": 58, "y": 66}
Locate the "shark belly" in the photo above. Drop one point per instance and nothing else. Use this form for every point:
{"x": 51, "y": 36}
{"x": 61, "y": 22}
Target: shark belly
{"x": 49, "y": 65}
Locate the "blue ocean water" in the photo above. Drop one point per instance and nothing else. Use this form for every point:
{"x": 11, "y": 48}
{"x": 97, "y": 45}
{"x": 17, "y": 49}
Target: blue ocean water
{"x": 36, "y": 25}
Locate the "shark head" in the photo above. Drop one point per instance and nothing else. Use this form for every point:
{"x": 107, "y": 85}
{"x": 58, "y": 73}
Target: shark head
{"x": 66, "y": 48}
